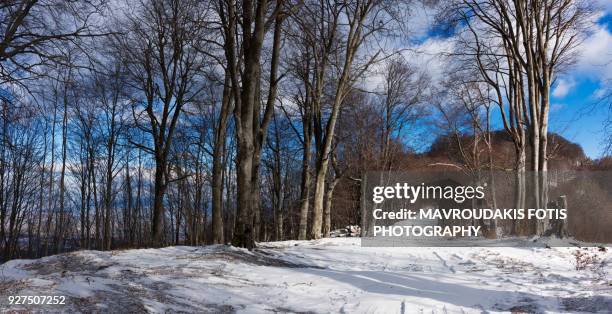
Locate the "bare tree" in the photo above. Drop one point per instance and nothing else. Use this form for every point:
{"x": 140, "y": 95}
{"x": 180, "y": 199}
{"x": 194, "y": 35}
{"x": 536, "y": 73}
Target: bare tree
{"x": 403, "y": 89}
{"x": 161, "y": 55}
{"x": 244, "y": 28}
{"x": 526, "y": 43}
{"x": 364, "y": 19}
{"x": 33, "y": 29}
{"x": 219, "y": 152}
{"x": 110, "y": 90}
{"x": 19, "y": 159}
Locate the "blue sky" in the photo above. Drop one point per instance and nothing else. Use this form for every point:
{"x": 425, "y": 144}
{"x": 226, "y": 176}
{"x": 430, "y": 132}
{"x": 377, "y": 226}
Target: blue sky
{"x": 579, "y": 116}
{"x": 577, "y": 111}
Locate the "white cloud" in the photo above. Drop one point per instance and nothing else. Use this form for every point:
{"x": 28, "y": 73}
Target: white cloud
{"x": 564, "y": 86}
{"x": 426, "y": 57}
{"x": 599, "y": 93}
{"x": 595, "y": 54}
{"x": 420, "y": 20}
{"x": 605, "y": 5}
{"x": 594, "y": 60}
{"x": 556, "y": 107}
{"x": 429, "y": 57}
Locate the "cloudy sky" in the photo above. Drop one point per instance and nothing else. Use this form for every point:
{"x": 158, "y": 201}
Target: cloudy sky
{"x": 576, "y": 112}
{"x": 576, "y": 93}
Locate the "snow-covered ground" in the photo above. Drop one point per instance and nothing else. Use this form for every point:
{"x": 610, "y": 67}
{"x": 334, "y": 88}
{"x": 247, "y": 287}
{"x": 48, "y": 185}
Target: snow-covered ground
{"x": 329, "y": 275}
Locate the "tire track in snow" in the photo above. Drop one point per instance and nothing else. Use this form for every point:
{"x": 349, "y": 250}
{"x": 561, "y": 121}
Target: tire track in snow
{"x": 451, "y": 268}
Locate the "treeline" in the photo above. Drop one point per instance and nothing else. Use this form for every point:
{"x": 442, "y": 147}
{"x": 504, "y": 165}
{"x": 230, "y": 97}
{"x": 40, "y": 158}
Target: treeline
{"x": 158, "y": 122}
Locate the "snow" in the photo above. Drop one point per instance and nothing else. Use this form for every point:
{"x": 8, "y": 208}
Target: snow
{"x": 329, "y": 275}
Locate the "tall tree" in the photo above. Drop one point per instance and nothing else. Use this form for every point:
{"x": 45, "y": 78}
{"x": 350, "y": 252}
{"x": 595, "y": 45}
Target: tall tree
{"x": 537, "y": 38}
{"x": 161, "y": 53}
{"x": 244, "y": 27}
{"x": 362, "y": 21}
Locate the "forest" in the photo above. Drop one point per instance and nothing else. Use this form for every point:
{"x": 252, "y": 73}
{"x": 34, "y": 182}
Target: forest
{"x": 149, "y": 123}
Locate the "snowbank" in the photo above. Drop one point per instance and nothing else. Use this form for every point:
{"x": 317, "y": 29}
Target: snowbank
{"x": 329, "y": 275}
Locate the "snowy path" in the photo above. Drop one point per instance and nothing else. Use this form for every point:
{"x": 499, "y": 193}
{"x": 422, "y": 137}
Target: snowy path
{"x": 330, "y": 275}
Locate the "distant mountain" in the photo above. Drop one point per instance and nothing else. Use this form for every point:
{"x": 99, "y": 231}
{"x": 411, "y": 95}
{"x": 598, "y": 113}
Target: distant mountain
{"x": 562, "y": 153}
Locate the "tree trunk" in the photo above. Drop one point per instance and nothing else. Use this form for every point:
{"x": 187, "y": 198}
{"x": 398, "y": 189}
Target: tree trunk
{"x": 218, "y": 158}
{"x": 328, "y": 206}
{"x": 243, "y": 230}
{"x": 543, "y": 163}
{"x": 110, "y": 160}
{"x": 50, "y": 206}
{"x": 60, "y": 222}
{"x": 305, "y": 183}
{"x": 323, "y": 157}
{"x": 158, "y": 206}
{"x": 251, "y": 133}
